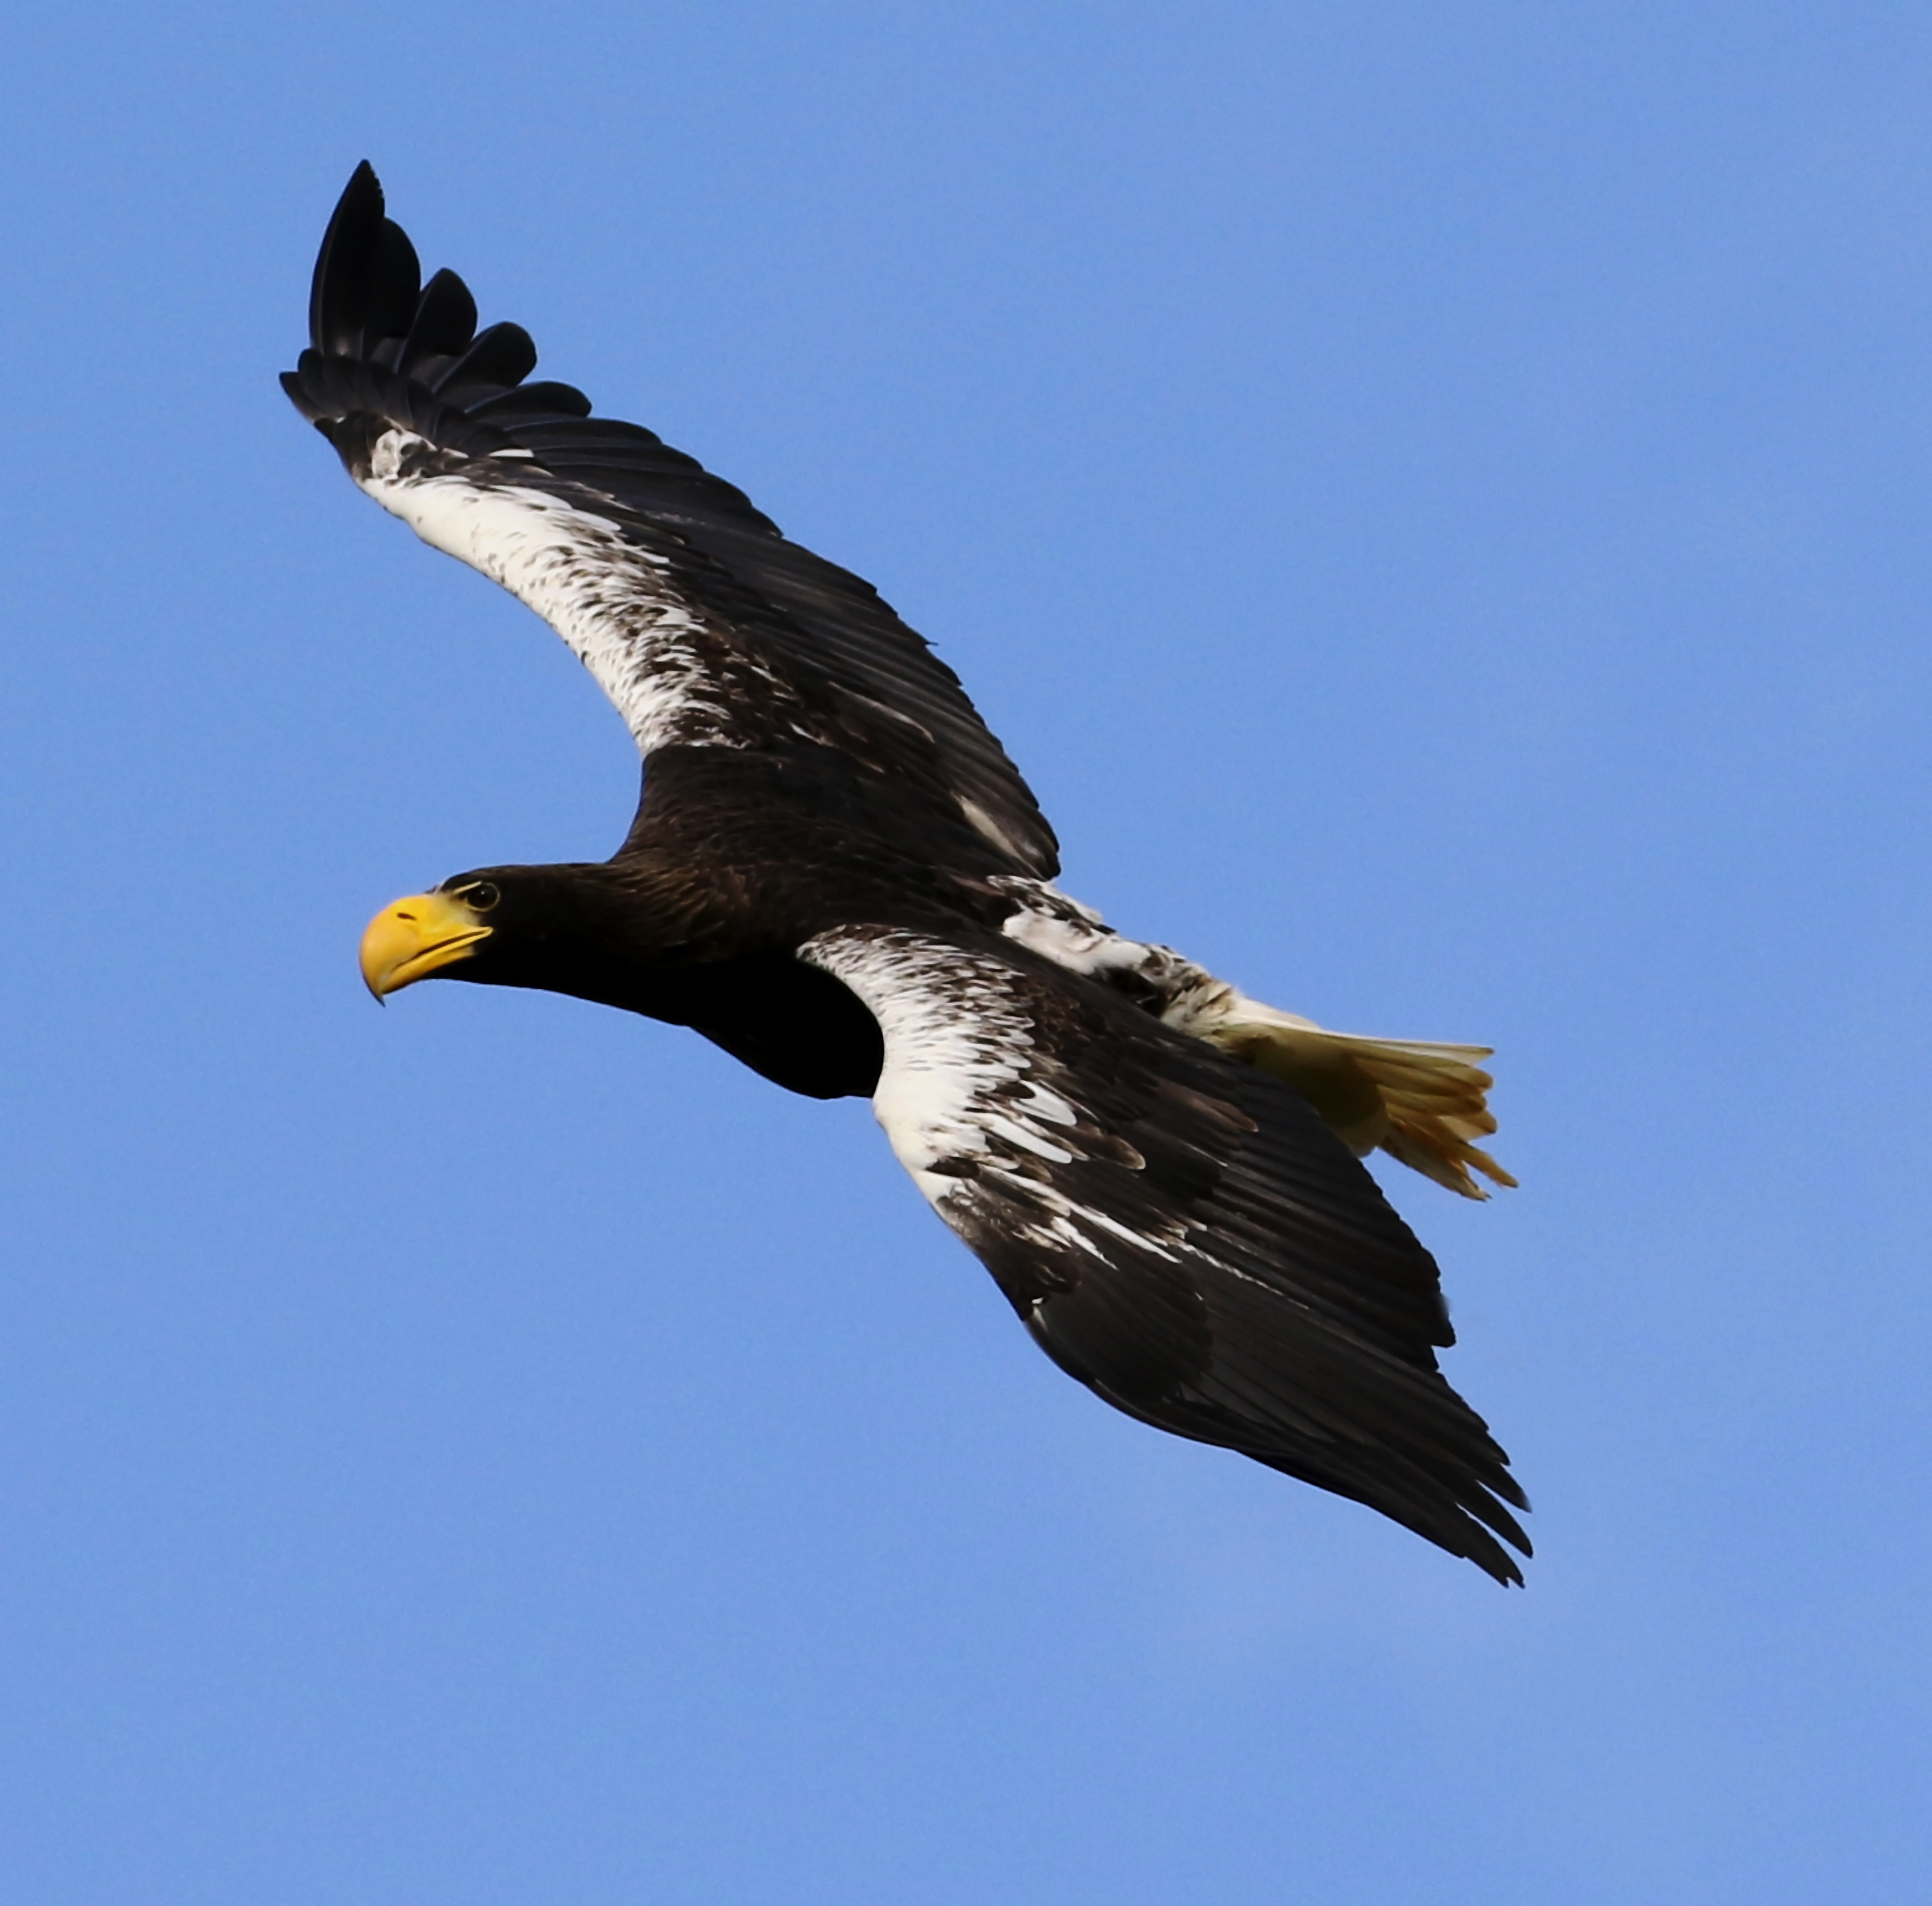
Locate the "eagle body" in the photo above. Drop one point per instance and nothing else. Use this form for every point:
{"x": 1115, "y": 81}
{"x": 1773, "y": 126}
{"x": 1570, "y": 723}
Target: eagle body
{"x": 836, "y": 874}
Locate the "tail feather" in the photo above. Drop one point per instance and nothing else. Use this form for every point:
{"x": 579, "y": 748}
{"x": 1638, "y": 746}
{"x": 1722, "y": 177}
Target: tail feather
{"x": 1423, "y": 1103}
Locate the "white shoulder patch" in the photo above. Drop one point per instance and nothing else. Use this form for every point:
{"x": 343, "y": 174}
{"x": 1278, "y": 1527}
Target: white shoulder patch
{"x": 1058, "y": 927}
{"x": 975, "y": 1110}
{"x": 957, "y": 1044}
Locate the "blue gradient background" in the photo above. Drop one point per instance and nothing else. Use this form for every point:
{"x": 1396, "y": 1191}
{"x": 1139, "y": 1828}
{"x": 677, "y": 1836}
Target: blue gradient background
{"x": 1436, "y": 497}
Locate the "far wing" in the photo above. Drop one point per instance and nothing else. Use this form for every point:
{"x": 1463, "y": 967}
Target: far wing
{"x": 1179, "y": 1231}
{"x": 704, "y": 625}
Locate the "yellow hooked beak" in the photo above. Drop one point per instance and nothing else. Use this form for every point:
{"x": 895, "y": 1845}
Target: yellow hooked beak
{"x": 415, "y": 937}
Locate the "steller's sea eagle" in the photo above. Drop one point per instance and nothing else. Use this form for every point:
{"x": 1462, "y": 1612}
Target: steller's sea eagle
{"x": 835, "y": 874}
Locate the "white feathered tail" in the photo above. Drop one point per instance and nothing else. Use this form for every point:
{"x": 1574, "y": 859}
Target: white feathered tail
{"x": 1422, "y": 1102}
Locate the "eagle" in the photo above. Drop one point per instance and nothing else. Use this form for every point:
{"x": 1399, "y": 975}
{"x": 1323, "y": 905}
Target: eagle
{"x": 835, "y": 874}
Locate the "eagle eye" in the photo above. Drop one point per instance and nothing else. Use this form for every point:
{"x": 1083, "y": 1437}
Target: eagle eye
{"x": 481, "y": 898}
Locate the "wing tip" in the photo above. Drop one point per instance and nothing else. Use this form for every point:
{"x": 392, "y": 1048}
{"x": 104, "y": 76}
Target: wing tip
{"x": 383, "y": 345}
{"x": 346, "y": 257}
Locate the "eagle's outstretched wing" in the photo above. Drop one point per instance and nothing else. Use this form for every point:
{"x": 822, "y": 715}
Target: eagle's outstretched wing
{"x": 1178, "y": 1230}
{"x": 699, "y": 620}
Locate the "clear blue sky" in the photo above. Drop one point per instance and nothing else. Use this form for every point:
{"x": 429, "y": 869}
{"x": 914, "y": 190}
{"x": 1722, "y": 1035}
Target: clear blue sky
{"x": 1437, "y": 499}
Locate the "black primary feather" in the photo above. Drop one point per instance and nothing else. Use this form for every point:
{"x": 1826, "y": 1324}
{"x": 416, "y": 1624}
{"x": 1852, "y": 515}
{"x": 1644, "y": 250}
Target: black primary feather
{"x": 444, "y": 323}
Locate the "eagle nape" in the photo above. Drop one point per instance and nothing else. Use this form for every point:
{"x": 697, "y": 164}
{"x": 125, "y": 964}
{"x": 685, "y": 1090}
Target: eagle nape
{"x": 836, "y": 874}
